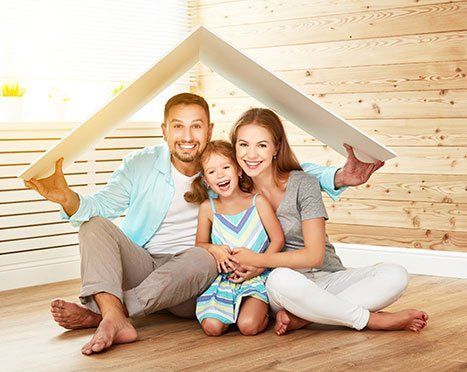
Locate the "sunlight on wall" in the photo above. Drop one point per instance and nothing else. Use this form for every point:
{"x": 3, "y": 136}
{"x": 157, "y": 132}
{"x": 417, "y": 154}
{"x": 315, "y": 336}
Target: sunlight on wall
{"x": 70, "y": 55}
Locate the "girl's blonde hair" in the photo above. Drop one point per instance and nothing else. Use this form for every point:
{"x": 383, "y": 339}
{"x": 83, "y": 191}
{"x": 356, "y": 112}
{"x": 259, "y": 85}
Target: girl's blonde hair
{"x": 285, "y": 160}
{"x": 199, "y": 190}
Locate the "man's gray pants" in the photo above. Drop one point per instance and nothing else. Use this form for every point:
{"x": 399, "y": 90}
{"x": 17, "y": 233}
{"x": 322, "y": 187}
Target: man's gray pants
{"x": 145, "y": 283}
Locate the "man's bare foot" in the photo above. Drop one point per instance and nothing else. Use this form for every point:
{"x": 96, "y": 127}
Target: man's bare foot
{"x": 73, "y": 316}
{"x": 410, "y": 320}
{"x": 113, "y": 329}
{"x": 286, "y": 321}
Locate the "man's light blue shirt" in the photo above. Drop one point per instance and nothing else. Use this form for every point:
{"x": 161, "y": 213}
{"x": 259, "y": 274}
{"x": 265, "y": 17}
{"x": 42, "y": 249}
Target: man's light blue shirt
{"x": 143, "y": 187}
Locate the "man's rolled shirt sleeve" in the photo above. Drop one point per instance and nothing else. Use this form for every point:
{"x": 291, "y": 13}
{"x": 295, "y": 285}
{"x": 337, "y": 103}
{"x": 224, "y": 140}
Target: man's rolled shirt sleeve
{"x": 325, "y": 176}
{"x": 109, "y": 202}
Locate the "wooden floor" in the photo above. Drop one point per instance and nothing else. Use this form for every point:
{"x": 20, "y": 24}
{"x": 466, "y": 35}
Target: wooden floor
{"x": 30, "y": 340}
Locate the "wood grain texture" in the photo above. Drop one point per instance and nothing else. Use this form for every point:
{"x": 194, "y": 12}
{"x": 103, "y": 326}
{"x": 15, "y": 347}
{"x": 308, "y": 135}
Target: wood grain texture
{"x": 417, "y": 132}
{"x": 354, "y": 106}
{"x": 217, "y": 13}
{"x": 414, "y": 19}
{"x": 398, "y": 237}
{"x": 416, "y": 215}
{"x": 412, "y": 187}
{"x": 427, "y": 48}
{"x": 397, "y": 71}
{"x": 374, "y": 78}
{"x": 420, "y": 160}
{"x": 31, "y": 340}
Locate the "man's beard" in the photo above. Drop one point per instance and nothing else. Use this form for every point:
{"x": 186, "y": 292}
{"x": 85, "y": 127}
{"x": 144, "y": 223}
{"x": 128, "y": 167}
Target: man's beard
{"x": 184, "y": 157}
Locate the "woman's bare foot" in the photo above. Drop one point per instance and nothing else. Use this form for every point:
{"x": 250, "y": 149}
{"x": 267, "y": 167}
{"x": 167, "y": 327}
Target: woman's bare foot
{"x": 286, "y": 321}
{"x": 73, "y": 316}
{"x": 410, "y": 320}
{"x": 113, "y": 329}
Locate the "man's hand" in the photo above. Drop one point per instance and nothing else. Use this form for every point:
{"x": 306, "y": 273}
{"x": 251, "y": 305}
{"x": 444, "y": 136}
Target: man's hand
{"x": 354, "y": 172}
{"x": 55, "y": 189}
{"x": 243, "y": 273}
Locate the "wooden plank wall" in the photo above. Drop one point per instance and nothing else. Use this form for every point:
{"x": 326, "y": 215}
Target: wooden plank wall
{"x": 394, "y": 68}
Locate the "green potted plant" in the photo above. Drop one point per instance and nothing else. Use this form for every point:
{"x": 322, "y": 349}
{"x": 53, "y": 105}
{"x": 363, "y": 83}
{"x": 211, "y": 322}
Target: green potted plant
{"x": 117, "y": 88}
{"x": 11, "y": 101}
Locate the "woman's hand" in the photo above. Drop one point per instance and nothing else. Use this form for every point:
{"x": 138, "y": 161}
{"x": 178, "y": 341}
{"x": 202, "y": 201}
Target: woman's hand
{"x": 243, "y": 273}
{"x": 225, "y": 261}
{"x": 246, "y": 256}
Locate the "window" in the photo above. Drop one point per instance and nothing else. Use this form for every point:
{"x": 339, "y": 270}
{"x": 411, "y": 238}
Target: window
{"x": 70, "y": 55}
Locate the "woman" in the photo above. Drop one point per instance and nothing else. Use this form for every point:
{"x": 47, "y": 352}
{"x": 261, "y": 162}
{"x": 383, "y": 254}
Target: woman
{"x": 310, "y": 283}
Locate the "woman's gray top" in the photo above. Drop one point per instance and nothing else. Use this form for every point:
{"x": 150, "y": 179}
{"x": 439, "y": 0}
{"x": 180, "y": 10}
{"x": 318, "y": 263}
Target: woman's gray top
{"x": 303, "y": 201}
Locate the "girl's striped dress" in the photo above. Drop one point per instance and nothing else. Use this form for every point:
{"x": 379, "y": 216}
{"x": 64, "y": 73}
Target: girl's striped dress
{"x": 223, "y": 298}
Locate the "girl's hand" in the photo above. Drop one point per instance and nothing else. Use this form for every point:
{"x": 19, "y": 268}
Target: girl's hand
{"x": 235, "y": 278}
{"x": 243, "y": 273}
{"x": 245, "y": 256}
{"x": 224, "y": 259}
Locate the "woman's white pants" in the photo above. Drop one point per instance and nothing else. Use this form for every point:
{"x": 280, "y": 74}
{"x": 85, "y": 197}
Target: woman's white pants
{"x": 341, "y": 298}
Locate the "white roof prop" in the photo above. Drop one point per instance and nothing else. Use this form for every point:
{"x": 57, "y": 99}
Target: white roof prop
{"x": 250, "y": 76}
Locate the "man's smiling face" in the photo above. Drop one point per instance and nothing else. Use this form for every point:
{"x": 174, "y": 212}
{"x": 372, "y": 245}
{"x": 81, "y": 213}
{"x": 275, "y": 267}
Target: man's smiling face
{"x": 187, "y": 131}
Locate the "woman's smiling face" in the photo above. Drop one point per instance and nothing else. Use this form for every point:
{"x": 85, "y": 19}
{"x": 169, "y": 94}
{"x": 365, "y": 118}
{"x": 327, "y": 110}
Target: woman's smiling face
{"x": 255, "y": 149}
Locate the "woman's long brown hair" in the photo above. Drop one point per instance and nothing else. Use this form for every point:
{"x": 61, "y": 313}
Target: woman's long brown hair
{"x": 199, "y": 191}
{"x": 285, "y": 160}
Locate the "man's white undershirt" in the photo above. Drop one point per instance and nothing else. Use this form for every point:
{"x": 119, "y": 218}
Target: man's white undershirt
{"x": 178, "y": 229}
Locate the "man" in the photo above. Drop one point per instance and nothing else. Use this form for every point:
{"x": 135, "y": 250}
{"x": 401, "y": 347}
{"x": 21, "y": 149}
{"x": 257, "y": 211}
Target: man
{"x": 150, "y": 263}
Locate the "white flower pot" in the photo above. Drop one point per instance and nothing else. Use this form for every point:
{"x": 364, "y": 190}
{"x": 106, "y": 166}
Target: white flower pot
{"x": 58, "y": 110}
{"x": 11, "y": 109}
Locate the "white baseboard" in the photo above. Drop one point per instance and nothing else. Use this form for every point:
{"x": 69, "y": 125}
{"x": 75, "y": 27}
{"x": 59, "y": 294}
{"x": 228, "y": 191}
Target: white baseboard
{"x": 55, "y": 265}
{"x": 416, "y": 261}
{"x": 27, "y": 269}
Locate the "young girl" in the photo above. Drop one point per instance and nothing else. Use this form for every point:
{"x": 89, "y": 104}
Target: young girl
{"x": 236, "y": 218}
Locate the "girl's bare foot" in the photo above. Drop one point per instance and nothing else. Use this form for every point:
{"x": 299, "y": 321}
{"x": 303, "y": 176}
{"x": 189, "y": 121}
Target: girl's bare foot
{"x": 113, "y": 329}
{"x": 286, "y": 321}
{"x": 73, "y": 316}
{"x": 410, "y": 320}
